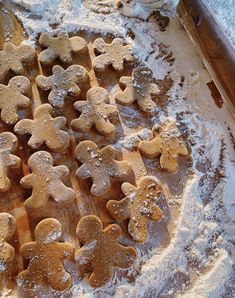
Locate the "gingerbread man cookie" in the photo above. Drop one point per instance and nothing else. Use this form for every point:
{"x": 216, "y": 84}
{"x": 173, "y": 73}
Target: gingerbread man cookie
{"x": 100, "y": 165}
{"x": 16, "y": 90}
{"x": 46, "y": 181}
{"x": 44, "y": 129}
{"x": 139, "y": 206}
{"x": 167, "y": 144}
{"x": 101, "y": 250}
{"x": 13, "y": 58}
{"x": 111, "y": 54}
{"x": 46, "y": 256}
{"x": 8, "y": 144}
{"x": 61, "y": 47}
{"x": 138, "y": 88}
{"x": 95, "y": 111}
{"x": 7, "y": 230}
{"x": 63, "y": 83}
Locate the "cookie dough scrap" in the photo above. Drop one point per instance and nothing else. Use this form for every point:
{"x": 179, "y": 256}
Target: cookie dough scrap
{"x": 102, "y": 6}
{"x": 46, "y": 255}
{"x": 100, "y": 165}
{"x": 44, "y": 129}
{"x": 62, "y": 47}
{"x": 167, "y": 144}
{"x": 139, "y": 206}
{"x": 13, "y": 58}
{"x": 7, "y": 230}
{"x": 95, "y": 111}
{"x": 8, "y": 144}
{"x": 62, "y": 83}
{"x": 46, "y": 181}
{"x": 101, "y": 250}
{"x": 138, "y": 88}
{"x": 13, "y": 97}
{"x": 114, "y": 54}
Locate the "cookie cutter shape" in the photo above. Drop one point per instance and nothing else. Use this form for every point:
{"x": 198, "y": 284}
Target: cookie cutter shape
{"x": 7, "y": 230}
{"x": 8, "y": 144}
{"x": 12, "y": 97}
{"x": 113, "y": 54}
{"x": 62, "y": 83}
{"x": 13, "y": 58}
{"x": 44, "y": 129}
{"x": 61, "y": 46}
{"x": 101, "y": 250}
{"x": 138, "y": 88}
{"x": 95, "y": 111}
{"x": 46, "y": 255}
{"x": 46, "y": 181}
{"x": 139, "y": 206}
{"x": 100, "y": 165}
{"x": 167, "y": 144}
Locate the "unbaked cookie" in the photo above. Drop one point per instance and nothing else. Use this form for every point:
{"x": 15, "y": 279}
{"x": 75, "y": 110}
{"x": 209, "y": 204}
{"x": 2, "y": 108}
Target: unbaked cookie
{"x": 46, "y": 181}
{"x": 62, "y": 47}
{"x": 62, "y": 83}
{"x": 44, "y": 129}
{"x": 139, "y": 206}
{"x": 100, "y": 165}
{"x": 96, "y": 111}
{"x": 101, "y": 250}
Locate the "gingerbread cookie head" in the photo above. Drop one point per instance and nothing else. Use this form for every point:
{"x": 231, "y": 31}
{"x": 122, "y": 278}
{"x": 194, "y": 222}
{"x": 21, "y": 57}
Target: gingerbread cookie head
{"x": 95, "y": 111}
{"x": 8, "y": 144}
{"x": 100, "y": 165}
{"x": 101, "y": 250}
{"x": 139, "y": 206}
{"x": 62, "y": 47}
{"x": 168, "y": 144}
{"x": 46, "y": 181}
{"x": 139, "y": 88}
{"x": 46, "y": 256}
{"x": 114, "y": 54}
{"x": 63, "y": 83}
{"x": 7, "y": 230}
{"x": 13, "y": 58}
{"x": 16, "y": 90}
{"x": 55, "y": 138}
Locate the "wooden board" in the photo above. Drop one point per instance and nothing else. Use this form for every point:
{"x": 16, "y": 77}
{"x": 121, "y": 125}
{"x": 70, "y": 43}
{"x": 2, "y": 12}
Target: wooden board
{"x": 212, "y": 44}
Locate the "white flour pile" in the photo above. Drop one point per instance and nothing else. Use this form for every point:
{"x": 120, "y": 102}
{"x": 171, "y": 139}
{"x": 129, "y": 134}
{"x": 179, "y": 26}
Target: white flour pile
{"x": 199, "y": 256}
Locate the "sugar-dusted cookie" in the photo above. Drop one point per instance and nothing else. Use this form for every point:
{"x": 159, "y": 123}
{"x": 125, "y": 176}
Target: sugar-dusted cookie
{"x": 13, "y": 58}
{"x": 166, "y": 143}
{"x": 46, "y": 181}
{"x": 46, "y": 256}
{"x": 138, "y": 88}
{"x": 101, "y": 250}
{"x": 8, "y": 144}
{"x": 139, "y": 206}
{"x": 61, "y": 47}
{"x": 95, "y": 111}
{"x": 100, "y": 165}
{"x": 12, "y": 97}
{"x": 113, "y": 54}
{"x": 44, "y": 129}
{"x": 7, "y": 230}
{"x": 132, "y": 141}
{"x": 62, "y": 83}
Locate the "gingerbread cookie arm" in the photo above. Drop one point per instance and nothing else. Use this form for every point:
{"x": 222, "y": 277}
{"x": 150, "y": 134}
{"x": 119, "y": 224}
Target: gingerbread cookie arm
{"x": 47, "y": 56}
{"x": 7, "y": 253}
{"x": 44, "y": 82}
{"x": 27, "y": 53}
{"x": 150, "y": 148}
{"x": 28, "y": 250}
{"x": 59, "y": 122}
{"x": 104, "y": 126}
{"x": 83, "y": 172}
{"x": 119, "y": 210}
{"x": 24, "y": 126}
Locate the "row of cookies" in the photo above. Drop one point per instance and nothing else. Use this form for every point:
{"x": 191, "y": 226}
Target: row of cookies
{"x": 62, "y": 47}
{"x": 100, "y": 250}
